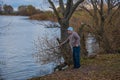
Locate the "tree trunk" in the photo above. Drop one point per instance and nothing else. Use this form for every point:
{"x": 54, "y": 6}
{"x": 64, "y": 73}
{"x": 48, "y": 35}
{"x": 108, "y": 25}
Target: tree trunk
{"x": 105, "y": 42}
{"x": 107, "y": 46}
{"x": 65, "y": 50}
{"x": 84, "y": 52}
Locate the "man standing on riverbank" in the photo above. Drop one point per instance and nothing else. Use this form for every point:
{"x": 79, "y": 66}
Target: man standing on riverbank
{"x": 74, "y": 41}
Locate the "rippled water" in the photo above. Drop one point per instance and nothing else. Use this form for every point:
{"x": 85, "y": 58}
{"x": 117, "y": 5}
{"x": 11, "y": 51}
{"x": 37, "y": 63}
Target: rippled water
{"x": 17, "y": 36}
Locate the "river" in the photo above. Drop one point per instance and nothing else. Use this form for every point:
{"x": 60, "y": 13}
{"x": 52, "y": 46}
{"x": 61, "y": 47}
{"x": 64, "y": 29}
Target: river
{"x": 17, "y": 36}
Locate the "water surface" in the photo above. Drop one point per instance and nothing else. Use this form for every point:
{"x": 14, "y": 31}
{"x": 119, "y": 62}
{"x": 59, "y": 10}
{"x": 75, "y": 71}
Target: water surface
{"x": 17, "y": 36}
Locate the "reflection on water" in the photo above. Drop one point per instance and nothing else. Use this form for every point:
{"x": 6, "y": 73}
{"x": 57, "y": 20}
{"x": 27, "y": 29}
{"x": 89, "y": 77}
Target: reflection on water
{"x": 91, "y": 45}
{"x": 17, "y": 35}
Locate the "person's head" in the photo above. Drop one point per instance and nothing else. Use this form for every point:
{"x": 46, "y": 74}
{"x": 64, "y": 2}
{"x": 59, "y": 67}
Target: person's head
{"x": 70, "y": 30}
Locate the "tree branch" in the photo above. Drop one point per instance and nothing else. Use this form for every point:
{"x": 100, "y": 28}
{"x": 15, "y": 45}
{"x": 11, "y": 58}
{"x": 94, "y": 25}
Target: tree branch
{"x": 54, "y": 9}
{"x": 74, "y": 8}
{"x": 68, "y": 8}
{"x": 113, "y": 14}
{"x": 117, "y": 4}
{"x": 90, "y": 13}
{"x": 94, "y": 7}
{"x": 111, "y": 5}
{"x": 61, "y": 4}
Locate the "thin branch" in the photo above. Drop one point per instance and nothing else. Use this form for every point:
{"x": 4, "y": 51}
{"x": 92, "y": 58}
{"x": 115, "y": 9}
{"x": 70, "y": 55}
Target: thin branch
{"x": 113, "y": 14}
{"x": 83, "y": 7}
{"x": 117, "y": 4}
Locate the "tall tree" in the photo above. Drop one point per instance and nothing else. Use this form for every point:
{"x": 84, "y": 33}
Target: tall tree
{"x": 0, "y": 8}
{"x": 26, "y": 10}
{"x": 66, "y": 10}
{"x": 1, "y": 5}
{"x": 22, "y": 10}
{"x": 31, "y": 10}
{"x": 102, "y": 12}
{"x": 8, "y": 9}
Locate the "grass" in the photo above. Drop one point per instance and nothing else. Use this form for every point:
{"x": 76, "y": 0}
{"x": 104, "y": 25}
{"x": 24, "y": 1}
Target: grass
{"x": 50, "y": 16}
{"x": 43, "y": 16}
{"x": 103, "y": 67}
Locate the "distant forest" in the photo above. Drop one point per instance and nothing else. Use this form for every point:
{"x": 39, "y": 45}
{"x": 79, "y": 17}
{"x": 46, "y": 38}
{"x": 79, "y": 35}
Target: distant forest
{"x": 24, "y": 10}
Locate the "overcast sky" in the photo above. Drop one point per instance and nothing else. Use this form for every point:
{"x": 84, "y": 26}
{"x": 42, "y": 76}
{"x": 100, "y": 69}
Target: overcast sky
{"x": 40, "y": 4}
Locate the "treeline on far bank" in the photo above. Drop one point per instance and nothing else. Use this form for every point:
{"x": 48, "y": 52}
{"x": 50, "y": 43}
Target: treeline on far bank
{"x": 23, "y": 10}
{"x": 27, "y": 10}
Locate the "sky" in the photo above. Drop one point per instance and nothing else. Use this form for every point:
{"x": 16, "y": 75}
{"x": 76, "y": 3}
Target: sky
{"x": 39, "y": 4}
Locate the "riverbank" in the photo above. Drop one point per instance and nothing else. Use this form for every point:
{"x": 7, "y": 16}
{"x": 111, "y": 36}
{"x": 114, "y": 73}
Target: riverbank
{"x": 103, "y": 67}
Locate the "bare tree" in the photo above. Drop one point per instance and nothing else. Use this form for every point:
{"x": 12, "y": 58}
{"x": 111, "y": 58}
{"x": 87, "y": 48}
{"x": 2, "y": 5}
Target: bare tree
{"x": 1, "y": 3}
{"x": 66, "y": 10}
{"x": 102, "y": 12}
{"x": 8, "y": 9}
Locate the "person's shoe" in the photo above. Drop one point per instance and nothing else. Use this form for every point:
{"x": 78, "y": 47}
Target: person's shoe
{"x": 77, "y": 67}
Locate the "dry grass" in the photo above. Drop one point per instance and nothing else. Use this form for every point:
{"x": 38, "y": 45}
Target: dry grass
{"x": 44, "y": 16}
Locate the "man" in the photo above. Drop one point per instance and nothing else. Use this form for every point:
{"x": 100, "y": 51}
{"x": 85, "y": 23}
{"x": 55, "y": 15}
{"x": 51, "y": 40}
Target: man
{"x": 74, "y": 41}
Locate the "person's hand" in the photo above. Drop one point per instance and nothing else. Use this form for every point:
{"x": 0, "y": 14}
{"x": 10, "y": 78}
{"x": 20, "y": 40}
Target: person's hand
{"x": 76, "y": 45}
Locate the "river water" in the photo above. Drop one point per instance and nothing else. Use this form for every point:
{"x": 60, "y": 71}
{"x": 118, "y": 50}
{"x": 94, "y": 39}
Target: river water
{"x": 17, "y": 36}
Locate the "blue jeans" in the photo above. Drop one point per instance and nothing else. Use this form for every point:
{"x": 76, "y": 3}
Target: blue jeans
{"x": 76, "y": 56}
